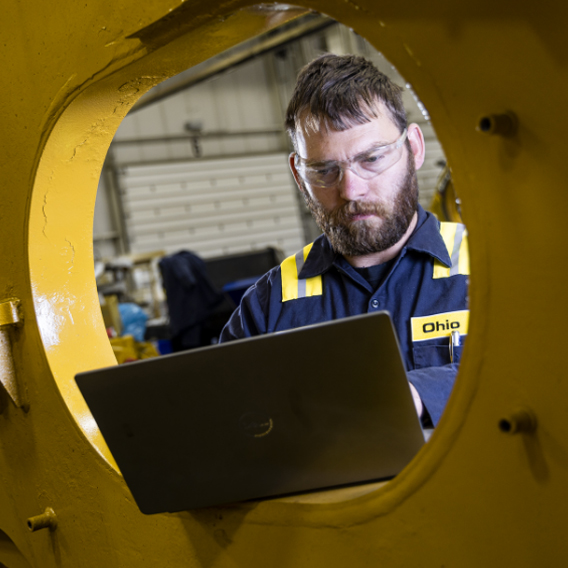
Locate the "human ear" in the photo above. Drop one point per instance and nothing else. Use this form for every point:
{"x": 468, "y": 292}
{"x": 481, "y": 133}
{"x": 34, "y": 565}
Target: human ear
{"x": 416, "y": 141}
{"x": 292, "y": 164}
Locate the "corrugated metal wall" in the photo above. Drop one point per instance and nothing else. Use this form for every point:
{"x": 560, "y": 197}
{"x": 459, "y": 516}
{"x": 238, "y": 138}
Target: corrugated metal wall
{"x": 221, "y": 206}
{"x": 228, "y": 190}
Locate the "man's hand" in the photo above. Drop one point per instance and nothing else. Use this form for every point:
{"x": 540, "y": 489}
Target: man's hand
{"x": 417, "y": 400}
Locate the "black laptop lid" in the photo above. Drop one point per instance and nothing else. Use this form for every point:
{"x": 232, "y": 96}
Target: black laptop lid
{"x": 310, "y": 408}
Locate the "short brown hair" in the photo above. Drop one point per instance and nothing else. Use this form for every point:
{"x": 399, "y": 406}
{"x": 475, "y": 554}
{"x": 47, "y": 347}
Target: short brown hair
{"x": 339, "y": 91}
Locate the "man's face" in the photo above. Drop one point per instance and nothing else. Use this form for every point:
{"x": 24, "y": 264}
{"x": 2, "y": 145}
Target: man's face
{"x": 360, "y": 216}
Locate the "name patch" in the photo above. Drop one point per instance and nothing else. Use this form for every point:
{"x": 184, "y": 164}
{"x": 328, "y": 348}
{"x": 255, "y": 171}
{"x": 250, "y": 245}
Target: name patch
{"x": 439, "y": 325}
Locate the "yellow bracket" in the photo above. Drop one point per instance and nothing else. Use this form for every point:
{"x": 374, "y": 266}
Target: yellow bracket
{"x": 9, "y": 316}
{"x": 10, "y": 312}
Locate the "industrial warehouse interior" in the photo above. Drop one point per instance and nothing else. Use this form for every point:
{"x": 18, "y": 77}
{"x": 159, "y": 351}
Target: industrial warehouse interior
{"x": 137, "y": 134}
{"x": 200, "y": 164}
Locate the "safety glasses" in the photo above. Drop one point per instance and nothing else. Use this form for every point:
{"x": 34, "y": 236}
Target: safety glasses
{"x": 366, "y": 165}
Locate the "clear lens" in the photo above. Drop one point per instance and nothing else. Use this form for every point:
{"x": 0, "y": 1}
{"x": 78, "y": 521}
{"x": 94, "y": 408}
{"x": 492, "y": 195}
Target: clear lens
{"x": 366, "y": 166}
{"x": 322, "y": 177}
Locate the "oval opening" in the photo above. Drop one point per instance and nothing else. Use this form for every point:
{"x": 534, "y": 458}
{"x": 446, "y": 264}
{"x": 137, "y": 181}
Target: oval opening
{"x": 183, "y": 140}
{"x": 56, "y": 317}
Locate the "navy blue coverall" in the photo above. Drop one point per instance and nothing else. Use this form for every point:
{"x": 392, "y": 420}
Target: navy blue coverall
{"x": 425, "y": 292}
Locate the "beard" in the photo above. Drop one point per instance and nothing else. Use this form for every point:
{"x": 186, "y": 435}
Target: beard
{"x": 364, "y": 237}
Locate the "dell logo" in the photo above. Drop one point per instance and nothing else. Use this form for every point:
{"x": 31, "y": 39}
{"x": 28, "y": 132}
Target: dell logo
{"x": 256, "y": 424}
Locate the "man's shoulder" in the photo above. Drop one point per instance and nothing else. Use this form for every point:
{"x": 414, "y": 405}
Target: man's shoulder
{"x": 309, "y": 257}
{"x": 268, "y": 279}
{"x": 301, "y": 272}
{"x": 438, "y": 239}
{"x": 320, "y": 245}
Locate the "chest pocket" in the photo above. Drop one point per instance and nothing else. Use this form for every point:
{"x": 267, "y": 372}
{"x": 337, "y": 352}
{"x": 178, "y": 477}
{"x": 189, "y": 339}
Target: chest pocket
{"x": 431, "y": 336}
{"x": 435, "y": 355}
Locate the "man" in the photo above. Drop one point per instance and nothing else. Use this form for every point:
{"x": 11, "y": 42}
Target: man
{"x": 355, "y": 163}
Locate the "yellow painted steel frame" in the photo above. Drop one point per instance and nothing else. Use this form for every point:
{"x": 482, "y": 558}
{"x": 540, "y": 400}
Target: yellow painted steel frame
{"x": 474, "y": 496}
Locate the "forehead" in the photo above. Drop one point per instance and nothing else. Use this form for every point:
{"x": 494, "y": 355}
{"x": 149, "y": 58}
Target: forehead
{"x": 320, "y": 141}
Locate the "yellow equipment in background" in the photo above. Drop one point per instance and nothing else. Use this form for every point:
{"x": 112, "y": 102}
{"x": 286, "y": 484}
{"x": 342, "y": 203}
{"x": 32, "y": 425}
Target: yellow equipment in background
{"x": 489, "y": 489}
{"x": 127, "y": 349}
{"x": 446, "y": 204}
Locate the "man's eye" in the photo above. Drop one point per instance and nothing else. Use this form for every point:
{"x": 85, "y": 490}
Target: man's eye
{"x": 322, "y": 170}
{"x": 372, "y": 158}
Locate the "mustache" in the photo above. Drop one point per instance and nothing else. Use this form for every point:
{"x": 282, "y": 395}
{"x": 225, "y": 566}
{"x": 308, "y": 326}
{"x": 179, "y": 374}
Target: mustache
{"x": 344, "y": 213}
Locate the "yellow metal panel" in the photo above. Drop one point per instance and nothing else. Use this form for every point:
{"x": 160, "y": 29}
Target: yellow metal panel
{"x": 474, "y": 496}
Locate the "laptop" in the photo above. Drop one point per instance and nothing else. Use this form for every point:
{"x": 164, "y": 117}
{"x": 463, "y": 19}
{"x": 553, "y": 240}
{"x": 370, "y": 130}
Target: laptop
{"x": 316, "y": 407}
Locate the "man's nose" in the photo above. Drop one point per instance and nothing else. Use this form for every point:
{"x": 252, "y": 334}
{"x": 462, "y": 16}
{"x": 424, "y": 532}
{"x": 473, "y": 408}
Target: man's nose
{"x": 351, "y": 186}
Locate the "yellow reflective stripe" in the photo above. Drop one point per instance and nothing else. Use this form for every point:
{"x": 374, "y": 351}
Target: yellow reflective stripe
{"x": 313, "y": 286}
{"x": 464, "y": 256}
{"x": 448, "y": 232}
{"x": 455, "y": 239}
{"x": 289, "y": 279}
{"x": 292, "y": 287}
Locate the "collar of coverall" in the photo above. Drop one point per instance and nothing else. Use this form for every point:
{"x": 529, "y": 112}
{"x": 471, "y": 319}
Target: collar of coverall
{"x": 426, "y": 239}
